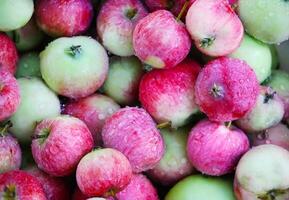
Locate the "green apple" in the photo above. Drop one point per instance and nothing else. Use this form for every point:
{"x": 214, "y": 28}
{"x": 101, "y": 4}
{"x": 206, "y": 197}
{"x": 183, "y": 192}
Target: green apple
{"x": 27, "y": 37}
{"x": 275, "y": 59}
{"x": 15, "y": 13}
{"x": 257, "y": 54}
{"x": 175, "y": 164}
{"x": 199, "y": 187}
{"x": 37, "y": 103}
{"x": 28, "y": 65}
{"x": 123, "y": 79}
{"x": 266, "y": 20}
{"x": 74, "y": 67}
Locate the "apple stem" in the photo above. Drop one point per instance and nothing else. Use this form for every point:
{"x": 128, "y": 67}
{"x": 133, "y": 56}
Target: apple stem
{"x": 206, "y": 42}
{"x": 185, "y": 6}
{"x": 131, "y": 13}
{"x": 9, "y": 192}
{"x": 4, "y": 130}
{"x": 74, "y": 51}
{"x": 269, "y": 96}
{"x": 217, "y": 91}
{"x": 229, "y": 124}
{"x": 164, "y": 125}
{"x": 234, "y": 6}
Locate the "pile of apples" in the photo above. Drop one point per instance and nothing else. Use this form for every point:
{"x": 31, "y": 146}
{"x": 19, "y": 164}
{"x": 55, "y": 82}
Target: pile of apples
{"x": 143, "y": 100}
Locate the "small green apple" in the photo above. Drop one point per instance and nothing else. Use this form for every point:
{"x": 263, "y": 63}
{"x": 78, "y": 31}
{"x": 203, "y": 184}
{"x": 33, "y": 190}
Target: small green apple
{"x": 266, "y": 20}
{"x": 28, "y": 65}
{"x": 199, "y": 187}
{"x": 37, "y": 103}
{"x": 123, "y": 79}
{"x": 74, "y": 67}
{"x": 15, "y": 13}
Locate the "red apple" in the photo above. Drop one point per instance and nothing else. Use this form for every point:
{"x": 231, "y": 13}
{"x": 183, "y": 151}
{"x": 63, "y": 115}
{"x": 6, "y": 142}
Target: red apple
{"x": 21, "y": 186}
{"x": 133, "y": 132}
{"x": 9, "y": 94}
{"x": 116, "y": 22}
{"x": 55, "y": 188}
{"x": 59, "y": 143}
{"x": 63, "y": 18}
{"x": 8, "y": 53}
{"x": 168, "y": 95}
{"x": 93, "y": 111}
{"x": 214, "y": 27}
{"x": 160, "y": 40}
{"x": 103, "y": 172}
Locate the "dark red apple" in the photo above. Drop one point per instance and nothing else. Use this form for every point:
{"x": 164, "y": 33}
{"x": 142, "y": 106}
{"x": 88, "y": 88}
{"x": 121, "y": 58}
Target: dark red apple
{"x": 8, "y": 54}
{"x": 63, "y": 17}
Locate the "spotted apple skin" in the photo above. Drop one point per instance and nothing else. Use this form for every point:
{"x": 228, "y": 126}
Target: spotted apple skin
{"x": 8, "y": 54}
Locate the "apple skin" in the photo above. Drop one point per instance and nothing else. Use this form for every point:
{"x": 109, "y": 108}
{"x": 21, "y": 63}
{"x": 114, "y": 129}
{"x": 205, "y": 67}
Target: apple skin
{"x": 28, "y": 37}
{"x": 139, "y": 188}
{"x": 157, "y": 37}
{"x": 33, "y": 108}
{"x": 175, "y": 164}
{"x": 65, "y": 18}
{"x": 116, "y": 22}
{"x": 28, "y": 65}
{"x": 10, "y": 153}
{"x": 226, "y": 89}
{"x": 220, "y": 32}
{"x": 125, "y": 90}
{"x": 267, "y": 20}
{"x": 9, "y": 95}
{"x": 168, "y": 95}
{"x": 277, "y": 135}
{"x": 93, "y": 111}
{"x": 279, "y": 83}
{"x": 20, "y": 185}
{"x": 267, "y": 112}
{"x": 59, "y": 143}
{"x": 8, "y": 54}
{"x": 262, "y": 172}
{"x": 133, "y": 132}
{"x": 55, "y": 188}
{"x": 175, "y": 6}
{"x": 249, "y": 50}
{"x": 15, "y": 14}
{"x": 215, "y": 149}
{"x": 74, "y": 67}
{"x": 103, "y": 172}
{"x": 202, "y": 187}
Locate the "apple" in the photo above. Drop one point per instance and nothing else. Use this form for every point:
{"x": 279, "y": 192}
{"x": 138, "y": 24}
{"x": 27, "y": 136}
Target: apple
{"x": 74, "y": 67}
{"x": 125, "y": 90}
{"x": 175, "y": 6}
{"x": 93, "y": 111}
{"x": 27, "y": 37}
{"x": 279, "y": 82}
{"x": 8, "y": 53}
{"x": 202, "y": 187}
{"x": 214, "y": 27}
{"x": 59, "y": 143}
{"x": 267, "y": 112}
{"x": 277, "y": 135}
{"x": 262, "y": 174}
{"x": 55, "y": 188}
{"x": 168, "y": 95}
{"x": 15, "y": 14}
{"x": 20, "y": 185}
{"x": 37, "y": 103}
{"x": 103, "y": 172}
{"x": 258, "y": 56}
{"x": 139, "y": 188}
{"x": 28, "y": 65}
{"x": 160, "y": 40}
{"x": 215, "y": 149}
{"x": 65, "y": 18}
{"x": 10, "y": 151}
{"x": 275, "y": 57}
{"x": 226, "y": 89}
{"x": 115, "y": 24}
{"x": 266, "y": 20}
{"x": 133, "y": 132}
{"x": 175, "y": 164}
{"x": 9, "y": 95}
